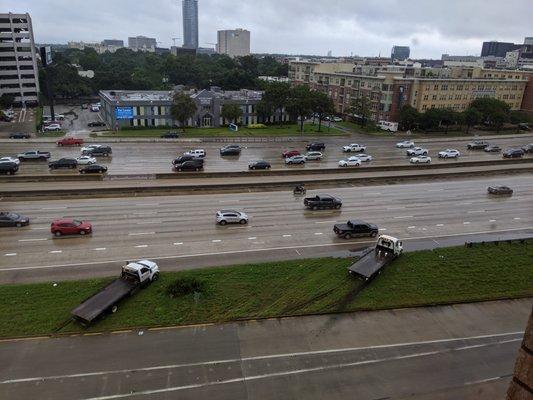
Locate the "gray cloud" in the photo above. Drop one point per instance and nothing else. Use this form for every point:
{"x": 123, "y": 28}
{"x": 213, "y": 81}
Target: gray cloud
{"x": 292, "y": 26}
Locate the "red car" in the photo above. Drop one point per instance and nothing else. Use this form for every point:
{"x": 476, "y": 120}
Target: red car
{"x": 69, "y": 226}
{"x": 290, "y": 153}
{"x": 69, "y": 141}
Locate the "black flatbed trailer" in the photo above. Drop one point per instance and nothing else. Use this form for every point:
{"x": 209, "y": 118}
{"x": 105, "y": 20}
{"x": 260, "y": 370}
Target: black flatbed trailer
{"x": 371, "y": 262}
{"x": 105, "y": 299}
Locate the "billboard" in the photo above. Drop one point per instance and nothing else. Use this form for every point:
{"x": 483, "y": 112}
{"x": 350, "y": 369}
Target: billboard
{"x": 46, "y": 55}
{"x": 124, "y": 112}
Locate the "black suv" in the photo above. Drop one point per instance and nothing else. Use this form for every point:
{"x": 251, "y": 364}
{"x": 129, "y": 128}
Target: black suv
{"x": 8, "y": 168}
{"x": 63, "y": 163}
{"x": 191, "y": 165}
{"x": 230, "y": 150}
{"x": 93, "y": 169}
{"x": 98, "y": 151}
{"x": 170, "y": 135}
{"x": 12, "y": 219}
{"x": 20, "y": 136}
{"x": 316, "y": 146}
{"x": 513, "y": 153}
{"x": 477, "y": 145}
{"x": 182, "y": 159}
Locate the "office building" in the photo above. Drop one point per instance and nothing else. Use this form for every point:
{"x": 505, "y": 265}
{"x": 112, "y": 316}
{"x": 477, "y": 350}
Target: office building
{"x": 113, "y": 42}
{"x": 234, "y": 43}
{"x": 497, "y": 49}
{"x": 390, "y": 87}
{"x": 153, "y": 108}
{"x": 18, "y": 72}
{"x": 528, "y": 40}
{"x": 190, "y": 24}
{"x": 400, "y": 53}
{"x": 142, "y": 43}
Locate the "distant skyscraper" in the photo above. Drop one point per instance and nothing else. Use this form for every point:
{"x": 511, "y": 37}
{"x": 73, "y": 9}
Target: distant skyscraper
{"x": 190, "y": 24}
{"x": 400, "y": 53}
{"x": 234, "y": 43}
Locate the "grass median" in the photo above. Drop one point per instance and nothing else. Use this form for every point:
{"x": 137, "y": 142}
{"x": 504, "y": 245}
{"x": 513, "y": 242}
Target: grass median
{"x": 281, "y": 131}
{"x": 282, "y": 289}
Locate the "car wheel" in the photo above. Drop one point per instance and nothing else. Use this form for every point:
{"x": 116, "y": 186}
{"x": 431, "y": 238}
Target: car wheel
{"x": 179, "y": 169}
{"x": 338, "y": 206}
{"x": 268, "y": 167}
{"x": 60, "y": 144}
{"x": 105, "y": 154}
{"x": 243, "y": 222}
{"x": 252, "y": 168}
{"x": 223, "y": 223}
{"x": 155, "y": 277}
{"x": 82, "y": 233}
{"x": 82, "y": 172}
{"x": 18, "y": 225}
{"x": 373, "y": 234}
{"x": 57, "y": 233}
{"x": 347, "y": 236}
{"x": 197, "y": 169}
{"x": 416, "y": 162}
{"x": 10, "y": 172}
{"x": 315, "y": 208}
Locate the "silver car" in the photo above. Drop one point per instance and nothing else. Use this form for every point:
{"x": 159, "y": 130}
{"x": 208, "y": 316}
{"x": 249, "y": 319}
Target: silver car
{"x": 313, "y": 156}
{"x": 231, "y": 217}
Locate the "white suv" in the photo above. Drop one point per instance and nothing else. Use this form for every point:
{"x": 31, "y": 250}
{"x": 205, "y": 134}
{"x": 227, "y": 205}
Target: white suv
{"x": 449, "y": 153}
{"x": 417, "y": 151}
{"x": 231, "y": 217}
{"x": 197, "y": 153}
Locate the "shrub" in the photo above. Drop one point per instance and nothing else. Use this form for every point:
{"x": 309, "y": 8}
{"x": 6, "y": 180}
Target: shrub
{"x": 257, "y": 126}
{"x": 185, "y": 286}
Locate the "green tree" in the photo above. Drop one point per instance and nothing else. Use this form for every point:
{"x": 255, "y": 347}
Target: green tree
{"x": 231, "y": 112}
{"x": 300, "y": 103}
{"x": 264, "y": 109}
{"x": 183, "y": 108}
{"x": 499, "y": 118}
{"x": 448, "y": 117}
{"x": 322, "y": 106}
{"x": 6, "y": 100}
{"x": 471, "y": 117}
{"x": 488, "y": 107}
{"x": 361, "y": 107}
{"x": 277, "y": 94}
{"x": 430, "y": 119}
{"x": 409, "y": 117}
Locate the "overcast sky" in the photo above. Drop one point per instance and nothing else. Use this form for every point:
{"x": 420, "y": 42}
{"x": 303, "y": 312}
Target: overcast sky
{"x": 362, "y": 27}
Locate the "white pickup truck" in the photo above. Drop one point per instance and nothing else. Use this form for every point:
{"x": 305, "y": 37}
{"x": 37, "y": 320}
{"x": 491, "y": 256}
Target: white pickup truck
{"x": 354, "y": 148}
{"x": 34, "y": 155}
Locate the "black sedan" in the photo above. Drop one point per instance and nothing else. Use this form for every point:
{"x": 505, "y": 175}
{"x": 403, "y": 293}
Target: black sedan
{"x": 63, "y": 163}
{"x": 20, "y": 136}
{"x": 9, "y": 168}
{"x": 93, "y": 169}
{"x": 12, "y": 219}
{"x": 500, "y": 190}
{"x": 259, "y": 165}
{"x": 513, "y": 153}
{"x": 230, "y": 150}
{"x": 95, "y": 124}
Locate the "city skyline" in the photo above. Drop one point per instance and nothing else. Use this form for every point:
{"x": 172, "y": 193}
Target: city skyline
{"x": 190, "y": 24}
{"x": 344, "y": 27}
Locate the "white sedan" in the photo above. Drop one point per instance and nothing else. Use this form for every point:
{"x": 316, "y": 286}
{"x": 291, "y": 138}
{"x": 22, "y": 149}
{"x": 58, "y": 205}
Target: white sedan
{"x": 420, "y": 160}
{"x": 86, "y": 160}
{"x": 417, "y": 151}
{"x": 365, "y": 157}
{"x": 406, "y": 144}
{"x": 10, "y": 159}
{"x": 350, "y": 162}
{"x": 449, "y": 153}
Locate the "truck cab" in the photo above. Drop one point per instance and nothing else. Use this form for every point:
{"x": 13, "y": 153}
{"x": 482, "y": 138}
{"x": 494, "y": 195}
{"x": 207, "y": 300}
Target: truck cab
{"x": 143, "y": 271}
{"x": 390, "y": 244}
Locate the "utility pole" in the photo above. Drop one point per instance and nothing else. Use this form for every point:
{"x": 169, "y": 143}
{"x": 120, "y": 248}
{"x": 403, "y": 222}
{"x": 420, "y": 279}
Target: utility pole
{"x": 46, "y": 59}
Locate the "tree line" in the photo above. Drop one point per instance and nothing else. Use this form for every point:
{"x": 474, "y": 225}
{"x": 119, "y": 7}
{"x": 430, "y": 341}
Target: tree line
{"x": 299, "y": 102}
{"x": 129, "y": 70}
{"x": 488, "y": 111}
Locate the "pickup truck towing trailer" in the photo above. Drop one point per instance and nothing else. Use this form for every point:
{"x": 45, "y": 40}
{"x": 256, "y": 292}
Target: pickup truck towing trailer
{"x": 373, "y": 260}
{"x": 134, "y": 276}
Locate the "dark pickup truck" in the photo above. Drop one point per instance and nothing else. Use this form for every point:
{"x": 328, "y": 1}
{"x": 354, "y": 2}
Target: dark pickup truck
{"x": 355, "y": 228}
{"x": 373, "y": 260}
{"x": 322, "y": 202}
{"x": 134, "y": 276}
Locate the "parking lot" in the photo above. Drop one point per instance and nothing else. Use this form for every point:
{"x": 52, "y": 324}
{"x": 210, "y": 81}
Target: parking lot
{"x": 23, "y": 122}
{"x": 76, "y": 119}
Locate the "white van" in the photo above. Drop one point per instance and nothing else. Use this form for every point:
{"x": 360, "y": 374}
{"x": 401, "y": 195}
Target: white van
{"x": 388, "y": 126}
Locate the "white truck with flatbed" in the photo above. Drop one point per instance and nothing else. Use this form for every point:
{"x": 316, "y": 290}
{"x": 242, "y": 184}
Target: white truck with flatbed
{"x": 374, "y": 259}
{"x": 134, "y": 276}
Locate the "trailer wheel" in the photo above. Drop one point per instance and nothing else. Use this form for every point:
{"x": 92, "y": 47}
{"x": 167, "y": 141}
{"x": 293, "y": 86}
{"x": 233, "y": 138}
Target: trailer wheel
{"x": 114, "y": 309}
{"x": 155, "y": 277}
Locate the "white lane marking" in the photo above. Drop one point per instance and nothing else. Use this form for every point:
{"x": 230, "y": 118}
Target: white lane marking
{"x": 475, "y": 212}
{"x": 440, "y": 225}
{"x": 216, "y": 241}
{"x": 287, "y": 236}
{"x": 383, "y": 229}
{"x": 318, "y": 234}
{"x": 228, "y": 201}
{"x": 403, "y": 217}
{"x": 297, "y": 252}
{"x": 38, "y": 229}
{"x": 517, "y": 219}
{"x": 270, "y": 356}
{"x": 141, "y": 234}
{"x": 141, "y": 246}
{"x": 32, "y": 240}
{"x": 496, "y": 378}
{"x": 252, "y": 238}
{"x": 100, "y": 249}
{"x": 146, "y": 204}
{"x": 56, "y": 252}
{"x": 220, "y": 253}
{"x": 466, "y": 223}
{"x": 325, "y": 222}
{"x": 411, "y": 227}
{"x": 10, "y": 254}
{"x": 178, "y": 243}
{"x": 53, "y": 208}
{"x": 274, "y": 375}
{"x": 395, "y": 208}
{"x": 492, "y": 220}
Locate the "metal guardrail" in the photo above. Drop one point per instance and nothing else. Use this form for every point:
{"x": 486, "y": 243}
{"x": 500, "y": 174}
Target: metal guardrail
{"x": 498, "y": 242}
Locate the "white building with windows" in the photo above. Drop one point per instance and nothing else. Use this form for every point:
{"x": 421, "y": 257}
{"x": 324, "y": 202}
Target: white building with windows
{"x": 234, "y": 43}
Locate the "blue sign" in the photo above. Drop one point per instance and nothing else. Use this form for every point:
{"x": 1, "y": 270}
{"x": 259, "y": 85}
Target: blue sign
{"x": 124, "y": 112}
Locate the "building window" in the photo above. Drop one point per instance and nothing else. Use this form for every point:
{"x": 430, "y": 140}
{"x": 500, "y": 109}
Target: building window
{"x": 426, "y": 97}
{"x": 444, "y": 87}
{"x": 434, "y": 97}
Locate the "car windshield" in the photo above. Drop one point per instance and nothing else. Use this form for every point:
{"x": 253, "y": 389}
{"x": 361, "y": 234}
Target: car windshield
{"x": 77, "y": 222}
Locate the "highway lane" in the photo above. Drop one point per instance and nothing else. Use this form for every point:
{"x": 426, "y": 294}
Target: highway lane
{"x": 463, "y": 351}
{"x": 181, "y": 227}
{"x": 145, "y": 158}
